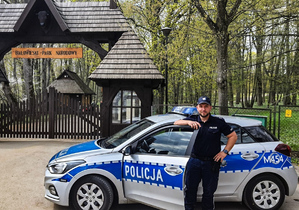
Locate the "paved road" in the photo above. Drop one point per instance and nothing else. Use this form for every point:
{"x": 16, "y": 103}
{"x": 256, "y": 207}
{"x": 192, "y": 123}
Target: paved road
{"x": 22, "y": 166}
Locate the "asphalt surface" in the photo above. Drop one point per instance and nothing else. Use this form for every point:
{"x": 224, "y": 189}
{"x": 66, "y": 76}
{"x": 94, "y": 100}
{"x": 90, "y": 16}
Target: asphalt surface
{"x": 22, "y": 167}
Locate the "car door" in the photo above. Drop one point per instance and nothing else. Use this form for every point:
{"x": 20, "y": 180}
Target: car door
{"x": 154, "y": 173}
{"x": 244, "y": 156}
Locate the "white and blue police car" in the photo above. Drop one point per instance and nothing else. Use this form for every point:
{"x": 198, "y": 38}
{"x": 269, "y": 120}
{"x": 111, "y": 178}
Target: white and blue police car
{"x": 145, "y": 163}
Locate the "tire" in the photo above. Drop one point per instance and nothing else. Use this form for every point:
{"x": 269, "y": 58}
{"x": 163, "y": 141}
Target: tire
{"x": 92, "y": 192}
{"x": 264, "y": 192}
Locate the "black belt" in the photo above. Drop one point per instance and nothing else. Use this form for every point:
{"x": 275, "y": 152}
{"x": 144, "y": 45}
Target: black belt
{"x": 201, "y": 158}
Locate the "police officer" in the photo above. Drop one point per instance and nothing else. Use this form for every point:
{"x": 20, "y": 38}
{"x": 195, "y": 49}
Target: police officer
{"x": 204, "y": 163}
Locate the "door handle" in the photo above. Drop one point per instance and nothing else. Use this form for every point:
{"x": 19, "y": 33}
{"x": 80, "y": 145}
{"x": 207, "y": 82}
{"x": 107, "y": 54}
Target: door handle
{"x": 173, "y": 170}
{"x": 223, "y": 163}
{"x": 249, "y": 156}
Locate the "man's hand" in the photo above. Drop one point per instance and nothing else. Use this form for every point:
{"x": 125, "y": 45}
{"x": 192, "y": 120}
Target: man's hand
{"x": 192, "y": 124}
{"x": 220, "y": 156}
{"x": 232, "y": 138}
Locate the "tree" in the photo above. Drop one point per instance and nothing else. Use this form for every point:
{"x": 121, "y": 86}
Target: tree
{"x": 225, "y": 15}
{"x": 10, "y": 96}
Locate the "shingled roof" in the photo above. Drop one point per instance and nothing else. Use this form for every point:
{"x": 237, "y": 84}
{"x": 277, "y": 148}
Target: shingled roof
{"x": 74, "y": 16}
{"x": 9, "y": 14}
{"x": 70, "y": 83}
{"x": 89, "y": 23}
{"x": 92, "y": 16}
{"x": 128, "y": 59}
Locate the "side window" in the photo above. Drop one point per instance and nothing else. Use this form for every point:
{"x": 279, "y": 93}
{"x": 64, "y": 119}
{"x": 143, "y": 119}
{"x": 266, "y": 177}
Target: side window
{"x": 260, "y": 134}
{"x": 246, "y": 138}
{"x": 169, "y": 141}
{"x": 237, "y": 129}
{"x": 243, "y": 136}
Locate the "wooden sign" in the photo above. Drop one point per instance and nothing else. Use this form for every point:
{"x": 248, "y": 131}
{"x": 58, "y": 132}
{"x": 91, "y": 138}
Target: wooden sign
{"x": 58, "y": 53}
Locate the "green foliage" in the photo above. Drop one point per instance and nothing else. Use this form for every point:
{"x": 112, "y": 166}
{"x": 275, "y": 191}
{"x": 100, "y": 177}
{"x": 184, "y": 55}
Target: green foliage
{"x": 192, "y": 48}
{"x": 262, "y": 60}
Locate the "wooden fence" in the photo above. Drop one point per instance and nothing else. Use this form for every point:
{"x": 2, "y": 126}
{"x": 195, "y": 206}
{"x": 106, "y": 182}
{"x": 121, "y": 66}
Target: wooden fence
{"x": 51, "y": 117}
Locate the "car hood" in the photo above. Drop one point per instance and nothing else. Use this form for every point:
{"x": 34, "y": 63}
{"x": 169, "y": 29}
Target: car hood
{"x": 82, "y": 149}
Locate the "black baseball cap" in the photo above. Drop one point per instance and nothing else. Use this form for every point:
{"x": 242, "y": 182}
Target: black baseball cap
{"x": 204, "y": 100}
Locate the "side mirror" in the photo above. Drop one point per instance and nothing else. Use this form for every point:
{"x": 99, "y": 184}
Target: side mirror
{"x": 127, "y": 151}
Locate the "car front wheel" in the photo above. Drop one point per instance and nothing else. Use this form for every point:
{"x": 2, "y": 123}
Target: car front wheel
{"x": 264, "y": 192}
{"x": 92, "y": 192}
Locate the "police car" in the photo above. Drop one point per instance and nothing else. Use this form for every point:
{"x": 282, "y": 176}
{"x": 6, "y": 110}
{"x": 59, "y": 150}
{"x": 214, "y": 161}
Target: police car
{"x": 145, "y": 163}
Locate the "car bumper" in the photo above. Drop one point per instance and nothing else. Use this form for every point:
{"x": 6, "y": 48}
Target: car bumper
{"x": 55, "y": 190}
{"x": 292, "y": 180}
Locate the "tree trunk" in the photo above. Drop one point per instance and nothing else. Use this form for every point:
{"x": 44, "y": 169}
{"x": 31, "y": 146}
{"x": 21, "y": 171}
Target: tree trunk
{"x": 258, "y": 71}
{"x": 44, "y": 72}
{"x": 11, "y": 98}
{"x": 287, "y": 82}
{"x": 28, "y": 77}
{"x": 230, "y": 91}
{"x": 222, "y": 45}
{"x": 219, "y": 27}
{"x": 295, "y": 69}
{"x": 239, "y": 84}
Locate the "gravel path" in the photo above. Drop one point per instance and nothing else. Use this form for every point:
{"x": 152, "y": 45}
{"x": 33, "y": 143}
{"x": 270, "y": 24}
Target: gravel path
{"x": 22, "y": 167}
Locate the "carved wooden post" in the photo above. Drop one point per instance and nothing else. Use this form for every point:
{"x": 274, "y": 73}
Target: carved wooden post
{"x": 52, "y": 123}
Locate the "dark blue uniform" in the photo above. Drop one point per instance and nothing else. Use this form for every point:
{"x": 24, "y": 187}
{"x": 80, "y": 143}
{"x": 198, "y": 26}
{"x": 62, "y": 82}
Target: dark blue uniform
{"x": 201, "y": 165}
{"x": 207, "y": 143}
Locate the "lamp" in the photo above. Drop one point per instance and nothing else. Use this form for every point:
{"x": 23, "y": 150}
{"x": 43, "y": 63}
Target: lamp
{"x": 166, "y": 31}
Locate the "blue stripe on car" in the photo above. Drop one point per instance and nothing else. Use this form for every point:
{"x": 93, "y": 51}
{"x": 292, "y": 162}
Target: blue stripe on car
{"x": 269, "y": 159}
{"x": 113, "y": 167}
{"x": 84, "y": 147}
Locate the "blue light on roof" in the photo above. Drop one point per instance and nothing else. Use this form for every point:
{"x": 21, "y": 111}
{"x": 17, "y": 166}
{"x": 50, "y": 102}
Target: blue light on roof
{"x": 190, "y": 110}
{"x": 185, "y": 110}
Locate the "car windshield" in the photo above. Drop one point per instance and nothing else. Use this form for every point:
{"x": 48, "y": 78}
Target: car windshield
{"x": 125, "y": 134}
{"x": 261, "y": 134}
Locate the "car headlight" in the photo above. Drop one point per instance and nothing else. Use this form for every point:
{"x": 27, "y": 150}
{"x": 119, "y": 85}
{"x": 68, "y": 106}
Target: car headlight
{"x": 62, "y": 167}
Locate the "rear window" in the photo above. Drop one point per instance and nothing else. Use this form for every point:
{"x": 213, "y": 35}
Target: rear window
{"x": 261, "y": 134}
{"x": 250, "y": 135}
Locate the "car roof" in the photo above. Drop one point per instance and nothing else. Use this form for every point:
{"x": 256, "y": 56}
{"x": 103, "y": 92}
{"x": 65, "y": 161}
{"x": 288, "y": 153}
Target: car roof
{"x": 165, "y": 118}
{"x": 241, "y": 121}
{"x": 171, "y": 117}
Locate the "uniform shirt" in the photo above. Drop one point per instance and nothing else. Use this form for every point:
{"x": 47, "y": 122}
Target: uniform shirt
{"x": 207, "y": 142}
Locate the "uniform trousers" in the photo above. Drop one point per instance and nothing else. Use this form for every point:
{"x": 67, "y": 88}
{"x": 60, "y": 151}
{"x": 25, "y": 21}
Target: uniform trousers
{"x": 196, "y": 171}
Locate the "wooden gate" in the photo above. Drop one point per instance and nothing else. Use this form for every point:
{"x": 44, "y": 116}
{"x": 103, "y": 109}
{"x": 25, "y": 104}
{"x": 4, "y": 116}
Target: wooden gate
{"x": 51, "y": 116}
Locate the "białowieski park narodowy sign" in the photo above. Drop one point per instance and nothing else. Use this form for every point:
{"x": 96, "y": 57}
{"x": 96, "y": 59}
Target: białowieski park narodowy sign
{"x": 58, "y": 53}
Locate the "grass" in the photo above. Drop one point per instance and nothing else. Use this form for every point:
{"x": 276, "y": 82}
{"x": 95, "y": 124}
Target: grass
{"x": 289, "y": 128}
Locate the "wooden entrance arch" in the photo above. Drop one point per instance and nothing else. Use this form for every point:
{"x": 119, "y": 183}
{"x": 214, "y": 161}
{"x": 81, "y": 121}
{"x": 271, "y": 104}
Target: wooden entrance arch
{"x": 47, "y": 21}
{"x": 92, "y": 24}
